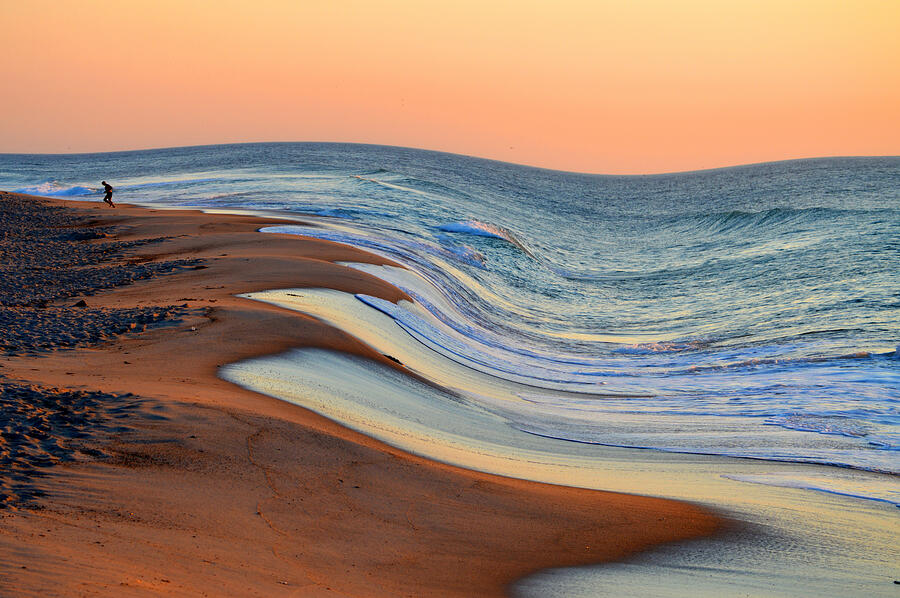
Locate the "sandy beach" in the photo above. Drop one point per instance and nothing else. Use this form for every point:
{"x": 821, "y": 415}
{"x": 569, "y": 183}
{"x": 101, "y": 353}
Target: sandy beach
{"x": 130, "y": 468}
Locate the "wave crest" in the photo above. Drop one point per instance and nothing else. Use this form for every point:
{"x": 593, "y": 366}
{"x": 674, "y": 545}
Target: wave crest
{"x": 56, "y": 189}
{"x": 738, "y": 220}
{"x": 485, "y": 229}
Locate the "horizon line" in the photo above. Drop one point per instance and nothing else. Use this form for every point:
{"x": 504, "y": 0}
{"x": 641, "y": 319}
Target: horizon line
{"x": 435, "y": 151}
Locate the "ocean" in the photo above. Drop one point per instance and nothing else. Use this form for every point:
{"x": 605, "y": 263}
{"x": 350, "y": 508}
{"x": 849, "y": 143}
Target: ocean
{"x": 750, "y": 311}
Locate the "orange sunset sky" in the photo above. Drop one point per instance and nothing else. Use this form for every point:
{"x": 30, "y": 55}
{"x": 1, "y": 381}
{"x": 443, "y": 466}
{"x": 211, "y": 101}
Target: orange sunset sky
{"x": 593, "y": 86}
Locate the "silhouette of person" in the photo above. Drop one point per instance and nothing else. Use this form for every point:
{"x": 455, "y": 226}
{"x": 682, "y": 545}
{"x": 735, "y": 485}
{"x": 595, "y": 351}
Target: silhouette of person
{"x": 109, "y": 191}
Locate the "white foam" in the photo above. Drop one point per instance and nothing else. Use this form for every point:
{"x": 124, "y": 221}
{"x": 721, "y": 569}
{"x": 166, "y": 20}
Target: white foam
{"x": 56, "y": 189}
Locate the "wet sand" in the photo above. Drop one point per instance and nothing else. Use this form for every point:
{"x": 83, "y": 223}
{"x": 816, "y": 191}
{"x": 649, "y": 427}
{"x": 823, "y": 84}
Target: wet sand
{"x": 131, "y": 468}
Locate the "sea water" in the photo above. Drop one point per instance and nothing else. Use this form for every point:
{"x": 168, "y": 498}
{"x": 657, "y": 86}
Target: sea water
{"x": 767, "y": 295}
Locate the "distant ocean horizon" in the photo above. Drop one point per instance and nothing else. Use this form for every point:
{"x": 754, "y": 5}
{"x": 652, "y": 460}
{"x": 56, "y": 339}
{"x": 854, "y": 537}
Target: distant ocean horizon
{"x": 448, "y": 152}
{"x": 764, "y": 294}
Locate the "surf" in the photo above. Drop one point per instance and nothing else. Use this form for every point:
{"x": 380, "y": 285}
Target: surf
{"x": 742, "y": 292}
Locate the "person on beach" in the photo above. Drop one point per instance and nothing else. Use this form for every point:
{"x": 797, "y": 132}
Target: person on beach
{"x": 109, "y": 191}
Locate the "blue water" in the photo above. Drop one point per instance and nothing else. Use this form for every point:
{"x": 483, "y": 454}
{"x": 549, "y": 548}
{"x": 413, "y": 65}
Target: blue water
{"x": 769, "y": 293}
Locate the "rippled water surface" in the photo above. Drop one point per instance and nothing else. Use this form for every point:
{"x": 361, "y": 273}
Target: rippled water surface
{"x": 765, "y": 294}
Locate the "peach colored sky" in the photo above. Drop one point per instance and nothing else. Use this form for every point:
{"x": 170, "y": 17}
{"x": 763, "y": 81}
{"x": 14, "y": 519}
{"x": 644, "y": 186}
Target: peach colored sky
{"x": 594, "y": 86}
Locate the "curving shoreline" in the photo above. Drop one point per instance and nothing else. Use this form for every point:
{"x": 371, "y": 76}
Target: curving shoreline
{"x": 208, "y": 487}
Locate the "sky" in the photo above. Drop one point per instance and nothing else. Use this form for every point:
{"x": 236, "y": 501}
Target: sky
{"x": 598, "y": 86}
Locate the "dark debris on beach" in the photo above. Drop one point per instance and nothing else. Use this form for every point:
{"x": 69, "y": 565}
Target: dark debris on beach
{"x": 48, "y": 254}
{"x": 29, "y": 330}
{"x": 41, "y": 427}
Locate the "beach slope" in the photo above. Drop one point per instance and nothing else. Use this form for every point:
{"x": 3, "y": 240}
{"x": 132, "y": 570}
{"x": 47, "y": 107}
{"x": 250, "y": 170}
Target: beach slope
{"x": 131, "y": 469}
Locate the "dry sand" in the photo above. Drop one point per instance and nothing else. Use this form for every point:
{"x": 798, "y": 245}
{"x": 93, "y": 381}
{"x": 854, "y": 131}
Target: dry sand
{"x": 131, "y": 469}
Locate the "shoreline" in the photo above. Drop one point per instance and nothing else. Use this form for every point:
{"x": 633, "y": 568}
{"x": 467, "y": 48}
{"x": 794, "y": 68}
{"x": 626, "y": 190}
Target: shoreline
{"x": 283, "y": 499}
